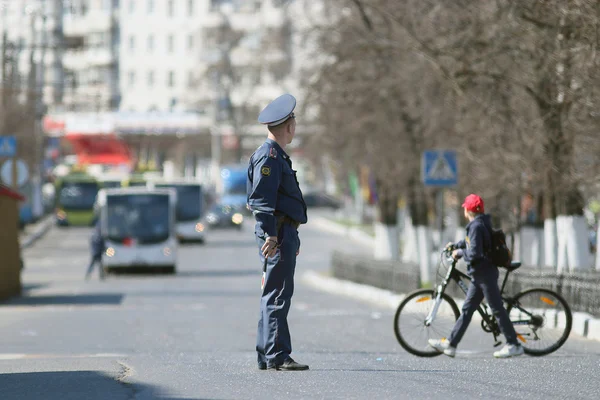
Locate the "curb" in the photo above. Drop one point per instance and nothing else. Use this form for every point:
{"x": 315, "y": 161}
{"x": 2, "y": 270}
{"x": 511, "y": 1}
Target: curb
{"x": 358, "y": 291}
{"x": 333, "y": 227}
{"x": 584, "y": 324}
{"x": 40, "y": 230}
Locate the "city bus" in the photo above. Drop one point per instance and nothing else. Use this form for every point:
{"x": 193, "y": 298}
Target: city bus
{"x": 233, "y": 186}
{"x": 107, "y": 182}
{"x": 75, "y": 199}
{"x": 189, "y": 210}
{"x": 139, "y": 228}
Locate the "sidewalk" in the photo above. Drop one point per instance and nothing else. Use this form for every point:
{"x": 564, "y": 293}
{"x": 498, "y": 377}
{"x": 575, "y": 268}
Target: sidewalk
{"x": 33, "y": 232}
{"x": 584, "y": 324}
{"x": 352, "y": 232}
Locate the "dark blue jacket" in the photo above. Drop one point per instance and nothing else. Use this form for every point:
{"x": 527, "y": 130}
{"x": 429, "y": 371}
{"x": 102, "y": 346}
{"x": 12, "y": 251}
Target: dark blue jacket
{"x": 97, "y": 243}
{"x": 272, "y": 188}
{"x": 477, "y": 243}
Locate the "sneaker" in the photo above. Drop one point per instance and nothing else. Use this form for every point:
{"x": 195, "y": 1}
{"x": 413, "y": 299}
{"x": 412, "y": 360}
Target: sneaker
{"x": 509, "y": 350}
{"x": 443, "y": 346}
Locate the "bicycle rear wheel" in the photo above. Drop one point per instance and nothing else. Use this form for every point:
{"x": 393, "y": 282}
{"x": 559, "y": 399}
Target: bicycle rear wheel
{"x": 409, "y": 321}
{"x": 542, "y": 320}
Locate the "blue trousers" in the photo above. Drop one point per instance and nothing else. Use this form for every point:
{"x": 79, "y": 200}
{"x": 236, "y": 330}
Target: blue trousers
{"x": 273, "y": 342}
{"x": 484, "y": 284}
{"x": 96, "y": 259}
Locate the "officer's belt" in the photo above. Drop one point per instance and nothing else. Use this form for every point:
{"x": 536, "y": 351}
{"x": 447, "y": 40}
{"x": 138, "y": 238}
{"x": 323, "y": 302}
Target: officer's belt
{"x": 284, "y": 219}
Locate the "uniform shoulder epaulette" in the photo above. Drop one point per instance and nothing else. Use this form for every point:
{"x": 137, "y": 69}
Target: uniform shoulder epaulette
{"x": 272, "y": 152}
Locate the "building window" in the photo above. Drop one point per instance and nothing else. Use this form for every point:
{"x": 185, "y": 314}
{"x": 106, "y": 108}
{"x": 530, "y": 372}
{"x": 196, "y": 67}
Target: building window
{"x": 171, "y": 79}
{"x": 150, "y": 6}
{"x": 131, "y": 76}
{"x": 132, "y": 42}
{"x": 170, "y": 43}
{"x": 132, "y": 6}
{"x": 150, "y": 42}
{"x": 190, "y": 42}
{"x": 190, "y": 9}
{"x": 170, "y": 8}
{"x": 150, "y": 78}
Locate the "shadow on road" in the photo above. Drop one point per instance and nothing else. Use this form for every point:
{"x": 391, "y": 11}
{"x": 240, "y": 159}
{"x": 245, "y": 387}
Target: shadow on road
{"x": 26, "y": 287}
{"x": 74, "y": 385}
{"x": 76, "y": 299}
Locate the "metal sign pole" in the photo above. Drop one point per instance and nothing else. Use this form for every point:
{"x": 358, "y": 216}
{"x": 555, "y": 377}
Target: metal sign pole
{"x": 14, "y": 179}
{"x": 442, "y": 191}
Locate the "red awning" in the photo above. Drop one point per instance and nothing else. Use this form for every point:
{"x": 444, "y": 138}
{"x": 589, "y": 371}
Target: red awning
{"x": 100, "y": 149}
{"x": 8, "y": 192}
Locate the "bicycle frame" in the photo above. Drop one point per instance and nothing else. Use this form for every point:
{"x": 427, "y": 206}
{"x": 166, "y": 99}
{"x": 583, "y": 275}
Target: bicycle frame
{"x": 489, "y": 324}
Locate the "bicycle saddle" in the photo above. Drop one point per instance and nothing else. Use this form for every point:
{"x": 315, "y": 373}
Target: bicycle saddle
{"x": 514, "y": 265}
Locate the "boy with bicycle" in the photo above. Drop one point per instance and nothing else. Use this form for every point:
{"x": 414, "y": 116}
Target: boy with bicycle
{"x": 484, "y": 282}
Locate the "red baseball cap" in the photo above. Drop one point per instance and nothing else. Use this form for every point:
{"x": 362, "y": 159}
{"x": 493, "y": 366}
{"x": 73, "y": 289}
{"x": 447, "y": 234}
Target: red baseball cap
{"x": 473, "y": 203}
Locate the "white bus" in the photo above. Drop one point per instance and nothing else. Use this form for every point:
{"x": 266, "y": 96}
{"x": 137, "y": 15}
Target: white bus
{"x": 189, "y": 209}
{"x": 139, "y": 228}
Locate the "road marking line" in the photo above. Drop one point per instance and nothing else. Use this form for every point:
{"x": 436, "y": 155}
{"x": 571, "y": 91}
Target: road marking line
{"x": 10, "y": 356}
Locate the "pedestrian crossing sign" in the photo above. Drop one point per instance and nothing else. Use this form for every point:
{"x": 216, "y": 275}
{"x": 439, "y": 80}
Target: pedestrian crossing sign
{"x": 439, "y": 168}
{"x": 8, "y": 146}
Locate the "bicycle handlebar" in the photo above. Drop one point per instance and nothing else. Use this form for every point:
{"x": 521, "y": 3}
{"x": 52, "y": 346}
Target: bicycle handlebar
{"x": 447, "y": 252}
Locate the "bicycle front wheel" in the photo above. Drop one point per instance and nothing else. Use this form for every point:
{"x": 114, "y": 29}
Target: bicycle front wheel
{"x": 409, "y": 321}
{"x": 542, "y": 320}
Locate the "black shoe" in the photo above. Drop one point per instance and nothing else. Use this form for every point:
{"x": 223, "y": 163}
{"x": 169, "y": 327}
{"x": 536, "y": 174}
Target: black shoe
{"x": 289, "y": 365}
{"x": 262, "y": 366}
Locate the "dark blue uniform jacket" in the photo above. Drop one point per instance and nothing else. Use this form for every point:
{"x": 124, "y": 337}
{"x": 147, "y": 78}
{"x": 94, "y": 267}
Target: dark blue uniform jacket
{"x": 273, "y": 189}
{"x": 477, "y": 243}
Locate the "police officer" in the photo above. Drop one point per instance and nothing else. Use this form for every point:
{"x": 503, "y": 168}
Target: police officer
{"x": 275, "y": 199}
{"x": 97, "y": 247}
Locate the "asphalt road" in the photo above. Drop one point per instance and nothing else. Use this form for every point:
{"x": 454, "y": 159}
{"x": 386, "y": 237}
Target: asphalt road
{"x": 192, "y": 335}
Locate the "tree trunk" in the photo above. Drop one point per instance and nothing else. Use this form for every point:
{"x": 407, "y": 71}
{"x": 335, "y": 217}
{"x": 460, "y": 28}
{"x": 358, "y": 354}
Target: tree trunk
{"x": 417, "y": 203}
{"x": 387, "y": 240}
{"x": 598, "y": 248}
{"x": 563, "y": 202}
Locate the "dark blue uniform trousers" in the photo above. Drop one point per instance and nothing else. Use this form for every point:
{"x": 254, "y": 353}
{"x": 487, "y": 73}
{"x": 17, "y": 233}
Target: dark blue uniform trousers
{"x": 273, "y": 342}
{"x": 483, "y": 284}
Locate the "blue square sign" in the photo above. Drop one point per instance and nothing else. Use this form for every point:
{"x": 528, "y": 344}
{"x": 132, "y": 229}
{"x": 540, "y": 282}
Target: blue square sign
{"x": 439, "y": 168}
{"x": 8, "y": 146}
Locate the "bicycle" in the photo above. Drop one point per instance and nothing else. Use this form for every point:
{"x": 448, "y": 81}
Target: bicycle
{"x": 541, "y": 317}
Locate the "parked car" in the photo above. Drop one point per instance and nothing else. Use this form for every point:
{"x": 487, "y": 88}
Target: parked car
{"x": 224, "y": 216}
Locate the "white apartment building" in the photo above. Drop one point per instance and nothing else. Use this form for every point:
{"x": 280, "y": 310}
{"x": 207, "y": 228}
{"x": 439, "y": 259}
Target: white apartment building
{"x": 33, "y": 35}
{"x": 168, "y": 48}
{"x": 91, "y": 58}
{"x": 247, "y": 58}
{"x": 160, "y": 52}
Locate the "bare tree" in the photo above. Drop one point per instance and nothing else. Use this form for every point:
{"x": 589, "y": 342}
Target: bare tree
{"x": 511, "y": 83}
{"x": 17, "y": 111}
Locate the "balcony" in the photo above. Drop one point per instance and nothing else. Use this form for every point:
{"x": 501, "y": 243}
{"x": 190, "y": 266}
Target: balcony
{"x": 93, "y": 21}
{"x": 214, "y": 20}
{"x": 81, "y": 59}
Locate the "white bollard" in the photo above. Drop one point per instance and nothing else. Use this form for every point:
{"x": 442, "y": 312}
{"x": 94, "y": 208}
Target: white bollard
{"x": 387, "y": 242}
{"x": 550, "y": 243}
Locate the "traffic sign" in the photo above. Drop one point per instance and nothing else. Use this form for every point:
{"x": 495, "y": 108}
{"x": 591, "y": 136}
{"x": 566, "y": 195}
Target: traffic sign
{"x": 439, "y": 168}
{"x": 22, "y": 173}
{"x": 8, "y": 146}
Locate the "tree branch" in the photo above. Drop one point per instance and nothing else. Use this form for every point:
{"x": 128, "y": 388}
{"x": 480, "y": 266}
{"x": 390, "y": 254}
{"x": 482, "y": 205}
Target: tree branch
{"x": 363, "y": 14}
